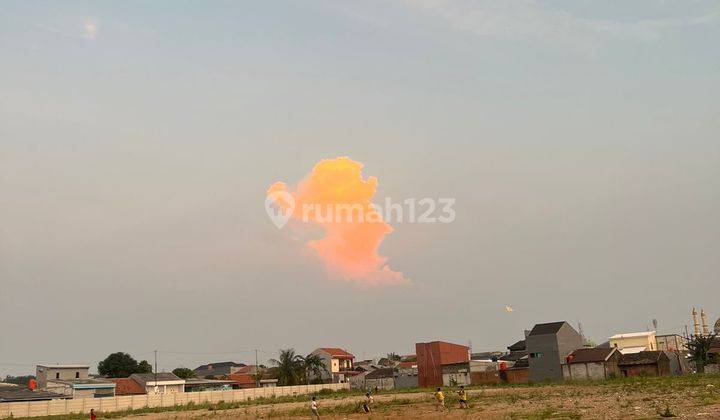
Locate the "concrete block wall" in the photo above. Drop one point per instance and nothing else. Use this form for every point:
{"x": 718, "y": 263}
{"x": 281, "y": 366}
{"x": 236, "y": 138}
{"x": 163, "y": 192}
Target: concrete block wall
{"x": 135, "y": 402}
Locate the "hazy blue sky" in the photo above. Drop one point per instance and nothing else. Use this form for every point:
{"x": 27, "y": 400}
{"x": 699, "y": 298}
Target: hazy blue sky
{"x": 581, "y": 140}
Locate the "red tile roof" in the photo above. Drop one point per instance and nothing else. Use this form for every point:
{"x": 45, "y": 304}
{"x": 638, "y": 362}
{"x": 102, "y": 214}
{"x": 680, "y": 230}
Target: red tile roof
{"x": 337, "y": 352}
{"x": 406, "y": 365}
{"x": 242, "y": 378}
{"x": 127, "y": 386}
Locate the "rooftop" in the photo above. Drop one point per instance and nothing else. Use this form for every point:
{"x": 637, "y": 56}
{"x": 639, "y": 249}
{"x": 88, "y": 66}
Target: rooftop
{"x": 641, "y": 358}
{"x": 144, "y": 378}
{"x": 85, "y": 383}
{"x": 632, "y": 335}
{"x": 10, "y": 394}
{"x": 337, "y": 352}
{"x": 547, "y": 328}
{"x": 595, "y": 354}
{"x": 64, "y": 366}
{"x": 381, "y": 373}
{"x": 219, "y": 365}
{"x": 517, "y": 346}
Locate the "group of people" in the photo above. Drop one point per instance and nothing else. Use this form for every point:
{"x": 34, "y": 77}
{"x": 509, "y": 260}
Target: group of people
{"x": 366, "y": 406}
{"x": 369, "y": 400}
{"x": 440, "y": 398}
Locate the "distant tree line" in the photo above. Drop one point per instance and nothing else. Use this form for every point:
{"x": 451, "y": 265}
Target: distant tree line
{"x": 18, "y": 380}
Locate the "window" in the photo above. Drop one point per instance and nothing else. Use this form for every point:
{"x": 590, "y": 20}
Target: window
{"x": 57, "y": 375}
{"x": 536, "y": 355}
{"x": 77, "y": 375}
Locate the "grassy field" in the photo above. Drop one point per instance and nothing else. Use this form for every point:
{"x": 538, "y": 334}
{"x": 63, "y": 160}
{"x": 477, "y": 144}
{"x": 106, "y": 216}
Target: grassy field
{"x": 696, "y": 396}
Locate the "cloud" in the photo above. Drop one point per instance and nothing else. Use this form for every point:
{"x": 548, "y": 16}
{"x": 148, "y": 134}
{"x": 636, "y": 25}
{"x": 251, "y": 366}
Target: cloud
{"x": 349, "y": 248}
{"x": 530, "y": 19}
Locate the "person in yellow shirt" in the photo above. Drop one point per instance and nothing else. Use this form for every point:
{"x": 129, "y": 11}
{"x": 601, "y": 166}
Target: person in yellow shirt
{"x": 440, "y": 399}
{"x": 463, "y": 397}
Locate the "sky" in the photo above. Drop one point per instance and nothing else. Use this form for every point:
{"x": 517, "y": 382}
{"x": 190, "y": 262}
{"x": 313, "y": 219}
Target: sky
{"x": 579, "y": 139}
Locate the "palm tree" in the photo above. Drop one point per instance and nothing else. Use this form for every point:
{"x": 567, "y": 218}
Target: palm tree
{"x": 698, "y": 347}
{"x": 288, "y": 367}
{"x": 312, "y": 363}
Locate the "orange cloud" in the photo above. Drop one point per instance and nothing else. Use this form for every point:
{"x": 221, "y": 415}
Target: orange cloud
{"x": 335, "y": 197}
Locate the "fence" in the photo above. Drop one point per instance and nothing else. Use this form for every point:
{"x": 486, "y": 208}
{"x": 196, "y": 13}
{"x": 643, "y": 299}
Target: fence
{"x": 134, "y": 402}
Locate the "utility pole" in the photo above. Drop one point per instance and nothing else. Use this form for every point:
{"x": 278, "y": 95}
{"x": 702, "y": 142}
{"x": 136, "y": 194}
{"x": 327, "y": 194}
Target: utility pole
{"x": 257, "y": 371}
{"x": 156, "y": 385}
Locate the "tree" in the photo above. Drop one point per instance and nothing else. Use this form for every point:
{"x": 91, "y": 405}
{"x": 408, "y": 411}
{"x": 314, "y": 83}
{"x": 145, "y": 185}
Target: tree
{"x": 288, "y": 368}
{"x": 122, "y": 365}
{"x": 394, "y": 357}
{"x": 144, "y": 367}
{"x": 698, "y": 347}
{"x": 312, "y": 363}
{"x": 183, "y": 373}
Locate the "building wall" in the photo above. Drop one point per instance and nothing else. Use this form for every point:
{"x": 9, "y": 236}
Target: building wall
{"x": 515, "y": 376}
{"x": 165, "y": 389}
{"x": 671, "y": 342}
{"x": 432, "y": 356}
{"x": 381, "y": 383}
{"x": 548, "y": 353}
{"x": 46, "y": 373}
{"x": 406, "y": 381}
{"x": 640, "y": 370}
{"x": 128, "y": 402}
{"x": 487, "y": 377}
{"x": 456, "y": 379}
{"x": 649, "y": 342}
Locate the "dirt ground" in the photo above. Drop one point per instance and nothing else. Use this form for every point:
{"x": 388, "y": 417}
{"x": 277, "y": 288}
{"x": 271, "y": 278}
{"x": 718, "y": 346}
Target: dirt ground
{"x": 625, "y": 401}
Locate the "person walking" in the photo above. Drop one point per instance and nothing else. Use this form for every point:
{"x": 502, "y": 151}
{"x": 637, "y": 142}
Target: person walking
{"x": 463, "y": 397}
{"x": 440, "y": 399}
{"x": 368, "y": 403}
{"x": 314, "y": 408}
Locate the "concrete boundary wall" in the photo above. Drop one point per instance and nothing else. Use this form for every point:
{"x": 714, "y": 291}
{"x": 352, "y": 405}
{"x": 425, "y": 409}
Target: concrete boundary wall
{"x": 135, "y": 402}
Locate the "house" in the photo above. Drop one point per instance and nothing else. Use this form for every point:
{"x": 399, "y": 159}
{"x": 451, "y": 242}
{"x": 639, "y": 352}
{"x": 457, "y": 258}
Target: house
{"x": 127, "y": 386}
{"x": 432, "y": 356}
{"x": 218, "y": 369}
{"x": 516, "y": 351}
{"x": 338, "y": 364}
{"x": 645, "y": 363}
{"x": 82, "y": 388}
{"x": 196, "y": 385}
{"x": 380, "y": 379}
{"x": 43, "y": 373}
{"x": 72, "y": 381}
{"x": 634, "y": 342}
{"x": 592, "y": 363}
{"x": 243, "y": 380}
{"x": 159, "y": 383}
{"x": 548, "y": 345}
{"x": 671, "y": 342}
